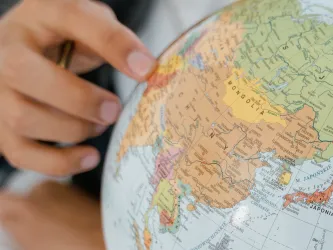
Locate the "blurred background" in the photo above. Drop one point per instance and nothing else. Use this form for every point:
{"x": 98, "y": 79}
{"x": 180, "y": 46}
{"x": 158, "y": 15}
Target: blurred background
{"x": 168, "y": 19}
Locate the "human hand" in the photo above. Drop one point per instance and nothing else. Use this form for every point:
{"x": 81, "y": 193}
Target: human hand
{"x": 41, "y": 101}
{"x": 52, "y": 217}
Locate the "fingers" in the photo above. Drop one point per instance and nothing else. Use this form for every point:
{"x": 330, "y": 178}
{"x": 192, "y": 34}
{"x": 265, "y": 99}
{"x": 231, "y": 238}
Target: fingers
{"x": 30, "y": 155}
{"x": 73, "y": 111}
{"x": 49, "y": 103}
{"x": 30, "y": 74}
{"x": 35, "y": 121}
{"x": 94, "y": 25}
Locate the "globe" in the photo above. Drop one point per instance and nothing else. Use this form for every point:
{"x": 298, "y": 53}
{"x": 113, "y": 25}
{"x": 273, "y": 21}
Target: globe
{"x": 228, "y": 145}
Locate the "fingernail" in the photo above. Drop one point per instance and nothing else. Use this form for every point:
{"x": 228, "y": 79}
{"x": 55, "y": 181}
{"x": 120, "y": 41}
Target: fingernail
{"x": 100, "y": 129}
{"x": 140, "y": 63}
{"x": 109, "y": 111}
{"x": 90, "y": 161}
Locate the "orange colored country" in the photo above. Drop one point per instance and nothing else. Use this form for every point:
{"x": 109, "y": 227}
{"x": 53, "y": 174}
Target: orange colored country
{"x": 147, "y": 239}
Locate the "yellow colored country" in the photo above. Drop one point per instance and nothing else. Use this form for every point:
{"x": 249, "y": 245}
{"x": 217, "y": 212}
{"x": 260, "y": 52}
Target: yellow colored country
{"x": 247, "y": 103}
{"x": 164, "y": 199}
{"x": 285, "y": 178}
{"x": 175, "y": 63}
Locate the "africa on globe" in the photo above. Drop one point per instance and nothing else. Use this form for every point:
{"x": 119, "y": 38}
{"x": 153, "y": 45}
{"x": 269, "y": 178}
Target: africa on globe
{"x": 229, "y": 144}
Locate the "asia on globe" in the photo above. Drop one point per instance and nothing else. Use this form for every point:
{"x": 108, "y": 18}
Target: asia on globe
{"x": 229, "y": 143}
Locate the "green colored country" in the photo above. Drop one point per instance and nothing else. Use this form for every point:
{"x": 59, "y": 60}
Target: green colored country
{"x": 290, "y": 55}
{"x": 190, "y": 42}
{"x": 324, "y": 156}
{"x": 184, "y": 188}
{"x": 165, "y": 197}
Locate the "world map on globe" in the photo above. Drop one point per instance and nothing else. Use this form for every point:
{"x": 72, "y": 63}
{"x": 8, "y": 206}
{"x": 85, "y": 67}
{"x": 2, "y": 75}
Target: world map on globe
{"x": 228, "y": 145}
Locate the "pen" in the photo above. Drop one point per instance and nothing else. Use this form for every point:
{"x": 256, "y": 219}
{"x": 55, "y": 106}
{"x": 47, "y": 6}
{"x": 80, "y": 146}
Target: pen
{"x": 66, "y": 54}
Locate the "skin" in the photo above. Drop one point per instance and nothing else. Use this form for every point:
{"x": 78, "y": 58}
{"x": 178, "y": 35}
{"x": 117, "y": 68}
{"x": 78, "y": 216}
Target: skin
{"x": 40, "y": 101}
{"x": 53, "y": 216}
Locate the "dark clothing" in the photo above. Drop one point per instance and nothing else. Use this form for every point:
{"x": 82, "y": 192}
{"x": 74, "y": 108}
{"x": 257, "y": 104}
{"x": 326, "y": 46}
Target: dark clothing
{"x": 132, "y": 13}
{"x": 91, "y": 181}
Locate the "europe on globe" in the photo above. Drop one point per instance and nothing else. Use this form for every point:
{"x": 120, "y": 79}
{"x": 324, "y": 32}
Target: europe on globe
{"x": 228, "y": 145}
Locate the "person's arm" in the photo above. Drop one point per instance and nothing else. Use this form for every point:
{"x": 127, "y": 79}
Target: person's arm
{"x": 62, "y": 217}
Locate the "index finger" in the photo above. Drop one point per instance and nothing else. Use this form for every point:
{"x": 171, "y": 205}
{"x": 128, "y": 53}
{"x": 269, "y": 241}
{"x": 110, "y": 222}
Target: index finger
{"x": 94, "y": 25}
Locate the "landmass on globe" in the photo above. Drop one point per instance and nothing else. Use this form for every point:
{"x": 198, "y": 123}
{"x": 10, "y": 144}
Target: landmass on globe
{"x": 239, "y": 108}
